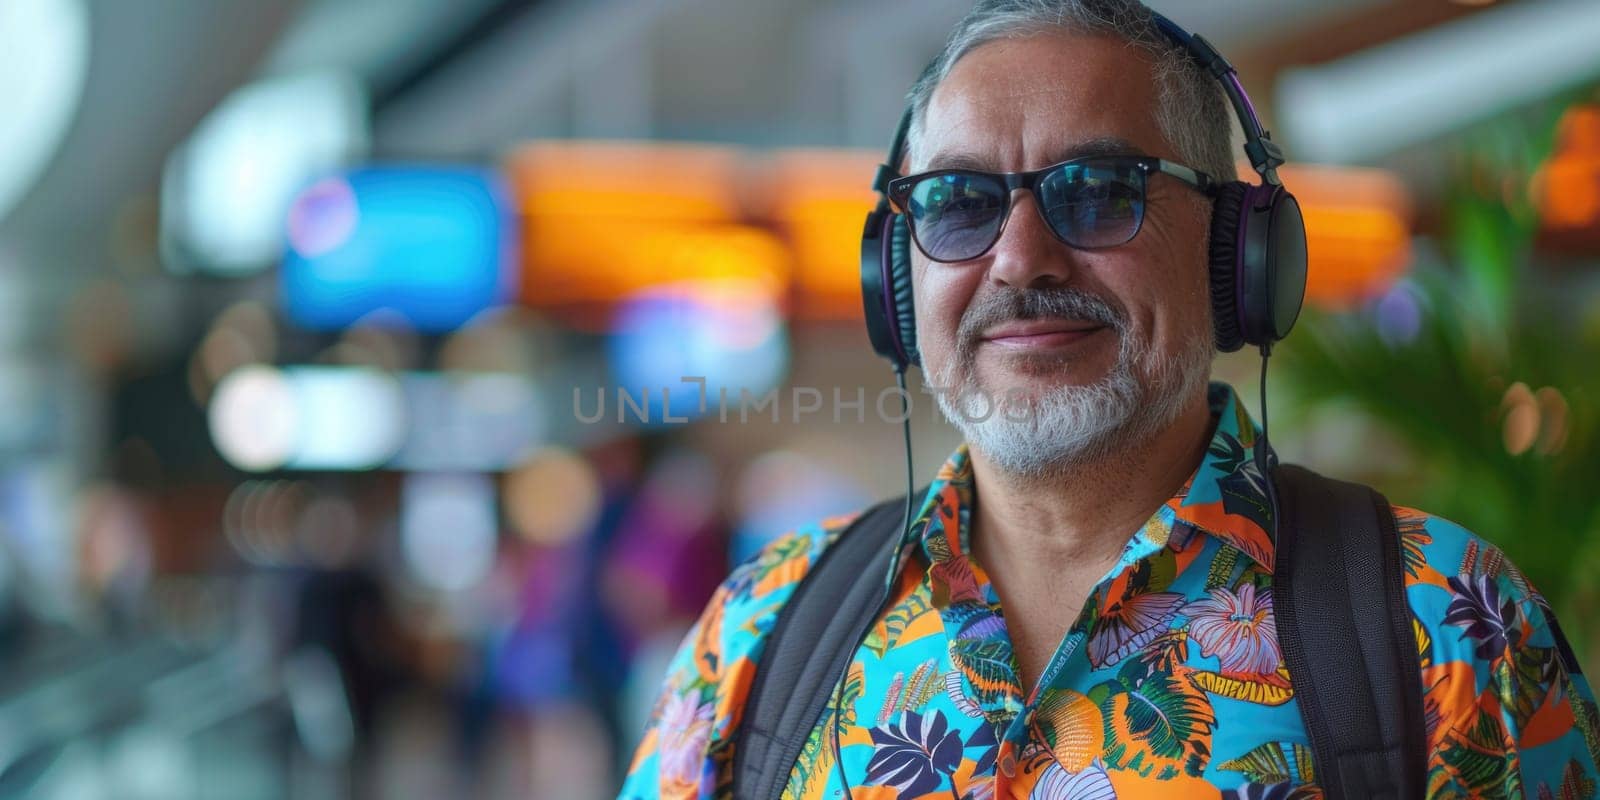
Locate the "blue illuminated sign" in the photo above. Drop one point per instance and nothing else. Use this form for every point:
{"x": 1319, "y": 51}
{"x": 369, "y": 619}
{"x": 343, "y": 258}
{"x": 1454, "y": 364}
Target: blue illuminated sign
{"x": 433, "y": 245}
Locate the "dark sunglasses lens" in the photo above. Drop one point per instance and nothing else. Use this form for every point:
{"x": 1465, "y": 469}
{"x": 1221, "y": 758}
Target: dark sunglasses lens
{"x": 1094, "y": 204}
{"x": 956, "y": 217}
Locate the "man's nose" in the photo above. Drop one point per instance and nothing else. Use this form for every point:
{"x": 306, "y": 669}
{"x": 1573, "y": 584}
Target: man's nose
{"x": 1028, "y": 255}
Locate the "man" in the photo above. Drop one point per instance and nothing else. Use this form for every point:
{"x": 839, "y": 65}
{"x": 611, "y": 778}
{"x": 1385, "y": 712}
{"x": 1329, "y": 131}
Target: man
{"x": 1083, "y": 618}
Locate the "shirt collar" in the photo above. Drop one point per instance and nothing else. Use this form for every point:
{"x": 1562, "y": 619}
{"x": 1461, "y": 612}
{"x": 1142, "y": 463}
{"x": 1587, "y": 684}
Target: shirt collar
{"x": 1225, "y": 497}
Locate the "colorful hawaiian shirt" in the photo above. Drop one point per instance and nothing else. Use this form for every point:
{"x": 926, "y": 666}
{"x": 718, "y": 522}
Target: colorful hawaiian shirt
{"x": 1171, "y": 682}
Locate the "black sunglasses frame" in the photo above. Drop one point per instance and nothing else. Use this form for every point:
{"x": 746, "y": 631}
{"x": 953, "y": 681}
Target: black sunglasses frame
{"x": 899, "y": 192}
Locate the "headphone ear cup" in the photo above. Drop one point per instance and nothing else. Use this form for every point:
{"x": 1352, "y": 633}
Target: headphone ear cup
{"x": 876, "y": 294}
{"x": 905, "y": 317}
{"x": 1285, "y": 245}
{"x": 1227, "y": 215}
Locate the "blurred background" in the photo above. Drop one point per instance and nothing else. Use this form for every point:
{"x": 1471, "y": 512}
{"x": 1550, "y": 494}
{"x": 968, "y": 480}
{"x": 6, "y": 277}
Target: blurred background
{"x": 344, "y": 450}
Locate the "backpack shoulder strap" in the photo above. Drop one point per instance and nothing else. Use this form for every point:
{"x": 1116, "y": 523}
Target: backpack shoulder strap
{"x": 809, "y": 647}
{"x": 1345, "y": 628}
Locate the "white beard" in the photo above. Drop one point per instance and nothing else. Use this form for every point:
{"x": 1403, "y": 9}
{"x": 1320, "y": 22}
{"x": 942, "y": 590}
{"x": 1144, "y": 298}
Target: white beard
{"x": 1068, "y": 426}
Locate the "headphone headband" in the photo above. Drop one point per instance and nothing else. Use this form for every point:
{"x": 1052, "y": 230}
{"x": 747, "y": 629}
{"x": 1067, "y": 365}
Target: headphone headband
{"x": 1264, "y": 154}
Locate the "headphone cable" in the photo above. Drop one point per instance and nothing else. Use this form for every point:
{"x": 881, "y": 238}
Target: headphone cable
{"x": 1264, "y": 463}
{"x": 911, "y": 481}
{"x": 889, "y": 576}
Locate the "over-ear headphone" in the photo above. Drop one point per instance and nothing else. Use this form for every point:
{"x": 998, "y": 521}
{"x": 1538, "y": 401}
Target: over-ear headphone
{"x": 1257, "y": 250}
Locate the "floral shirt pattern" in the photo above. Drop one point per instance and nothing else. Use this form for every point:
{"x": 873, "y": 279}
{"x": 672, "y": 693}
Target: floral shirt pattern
{"x": 1171, "y": 682}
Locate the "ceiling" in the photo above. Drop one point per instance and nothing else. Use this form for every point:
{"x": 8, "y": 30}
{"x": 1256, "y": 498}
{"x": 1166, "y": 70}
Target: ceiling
{"x": 771, "y": 72}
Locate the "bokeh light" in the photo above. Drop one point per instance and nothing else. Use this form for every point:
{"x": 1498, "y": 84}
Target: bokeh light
{"x": 349, "y": 418}
{"x": 44, "y": 59}
{"x": 553, "y": 497}
{"x": 474, "y": 421}
{"x": 1399, "y": 315}
{"x": 327, "y": 418}
{"x": 730, "y": 334}
{"x": 255, "y": 419}
{"x": 323, "y": 217}
{"x": 448, "y": 529}
{"x": 227, "y": 191}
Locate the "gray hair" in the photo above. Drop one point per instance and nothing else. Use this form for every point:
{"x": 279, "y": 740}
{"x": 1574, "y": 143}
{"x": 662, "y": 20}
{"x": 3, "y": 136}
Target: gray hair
{"x": 1191, "y": 109}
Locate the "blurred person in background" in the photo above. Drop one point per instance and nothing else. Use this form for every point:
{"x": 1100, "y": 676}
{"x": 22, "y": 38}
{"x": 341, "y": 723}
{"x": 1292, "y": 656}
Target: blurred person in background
{"x": 343, "y": 613}
{"x": 607, "y": 557}
{"x": 115, "y": 555}
{"x": 1030, "y": 646}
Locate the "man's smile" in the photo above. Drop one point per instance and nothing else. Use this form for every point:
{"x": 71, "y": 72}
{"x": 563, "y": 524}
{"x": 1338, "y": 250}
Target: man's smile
{"x": 1036, "y": 335}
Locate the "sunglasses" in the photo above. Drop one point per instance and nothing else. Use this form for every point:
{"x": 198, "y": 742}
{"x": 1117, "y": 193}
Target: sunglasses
{"x": 1089, "y": 203}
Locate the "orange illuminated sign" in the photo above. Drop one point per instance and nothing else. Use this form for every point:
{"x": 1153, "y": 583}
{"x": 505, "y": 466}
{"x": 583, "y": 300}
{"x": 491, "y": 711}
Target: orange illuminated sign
{"x": 1358, "y": 231}
{"x": 603, "y": 220}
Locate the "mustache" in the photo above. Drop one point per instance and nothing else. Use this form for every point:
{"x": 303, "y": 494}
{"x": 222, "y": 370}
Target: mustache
{"x": 1012, "y": 303}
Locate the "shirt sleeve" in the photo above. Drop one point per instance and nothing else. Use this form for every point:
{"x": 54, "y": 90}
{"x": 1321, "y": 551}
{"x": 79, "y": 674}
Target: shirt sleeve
{"x": 672, "y": 760}
{"x": 686, "y": 752}
{"x": 1509, "y": 711}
